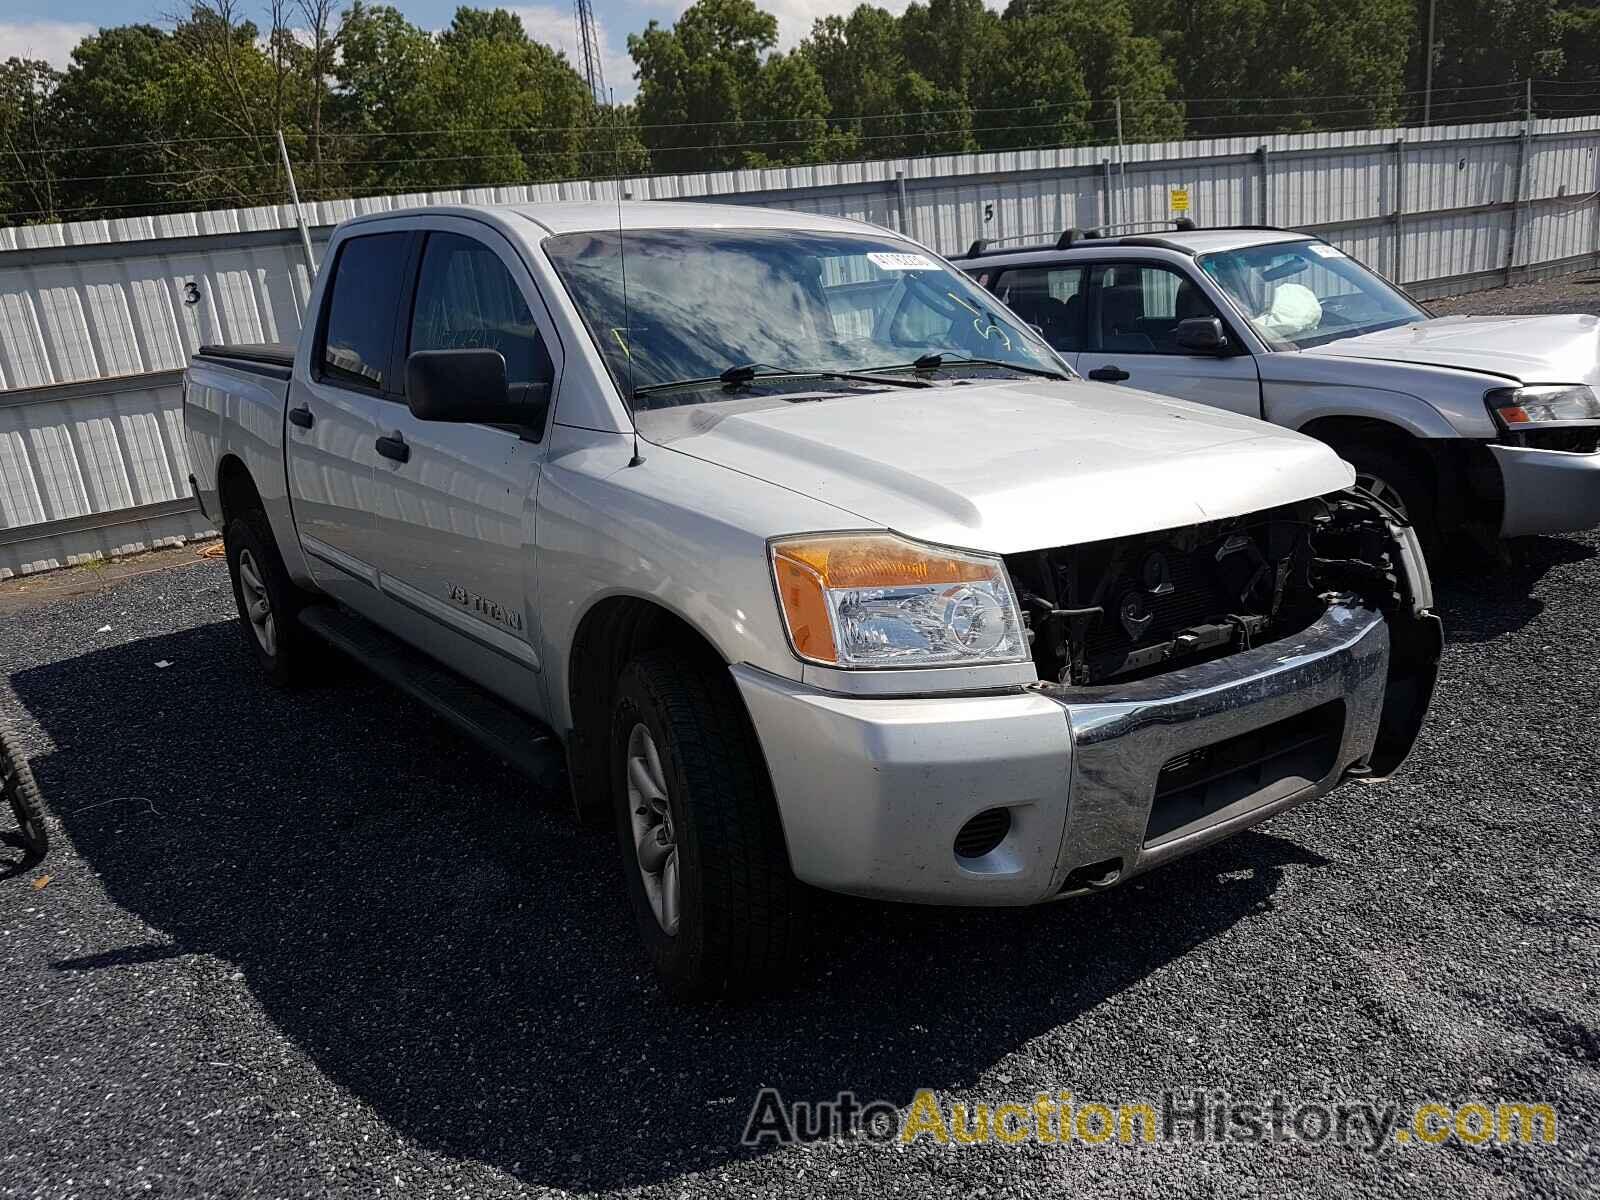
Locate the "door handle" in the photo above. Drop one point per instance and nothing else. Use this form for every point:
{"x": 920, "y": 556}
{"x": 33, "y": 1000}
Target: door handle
{"x": 1109, "y": 374}
{"x": 394, "y": 446}
{"x": 301, "y": 417}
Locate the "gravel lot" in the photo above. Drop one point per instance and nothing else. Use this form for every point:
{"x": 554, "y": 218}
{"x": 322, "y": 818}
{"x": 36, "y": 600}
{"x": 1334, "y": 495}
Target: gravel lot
{"x": 1564, "y": 294}
{"x": 316, "y": 945}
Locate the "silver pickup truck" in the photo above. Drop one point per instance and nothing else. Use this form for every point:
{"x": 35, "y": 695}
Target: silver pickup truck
{"x": 810, "y": 562}
{"x": 1489, "y": 425}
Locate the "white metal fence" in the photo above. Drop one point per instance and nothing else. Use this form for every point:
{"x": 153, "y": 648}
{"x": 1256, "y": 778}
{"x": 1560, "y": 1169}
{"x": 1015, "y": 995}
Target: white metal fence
{"x": 98, "y": 318}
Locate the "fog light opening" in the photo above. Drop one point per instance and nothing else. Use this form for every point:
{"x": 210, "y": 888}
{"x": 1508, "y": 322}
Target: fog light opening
{"x": 983, "y": 833}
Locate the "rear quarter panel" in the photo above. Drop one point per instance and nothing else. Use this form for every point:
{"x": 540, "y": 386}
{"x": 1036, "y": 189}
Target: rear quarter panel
{"x": 231, "y": 412}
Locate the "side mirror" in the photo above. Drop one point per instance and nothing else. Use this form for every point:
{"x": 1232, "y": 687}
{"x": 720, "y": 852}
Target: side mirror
{"x": 469, "y": 386}
{"x": 1202, "y": 335}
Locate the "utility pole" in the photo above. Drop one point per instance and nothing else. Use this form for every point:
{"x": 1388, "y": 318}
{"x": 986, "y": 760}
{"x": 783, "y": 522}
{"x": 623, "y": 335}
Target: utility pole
{"x": 1427, "y": 58}
{"x": 1122, "y": 167}
{"x": 1524, "y": 154}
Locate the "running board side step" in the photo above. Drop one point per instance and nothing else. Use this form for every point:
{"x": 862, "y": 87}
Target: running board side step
{"x": 522, "y": 741}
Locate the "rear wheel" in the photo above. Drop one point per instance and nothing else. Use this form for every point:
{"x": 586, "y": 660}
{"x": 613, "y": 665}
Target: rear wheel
{"x": 19, "y": 789}
{"x": 269, "y": 603}
{"x": 706, "y": 869}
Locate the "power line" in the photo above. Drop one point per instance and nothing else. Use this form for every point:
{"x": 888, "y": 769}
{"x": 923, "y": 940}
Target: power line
{"x": 594, "y": 126}
{"x": 830, "y": 125}
{"x": 426, "y": 189}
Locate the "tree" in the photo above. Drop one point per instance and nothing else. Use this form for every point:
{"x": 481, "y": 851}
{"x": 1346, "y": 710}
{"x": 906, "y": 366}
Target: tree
{"x": 789, "y": 116}
{"x": 884, "y": 107}
{"x": 169, "y": 119}
{"x": 29, "y": 166}
{"x": 1261, "y": 65}
{"x": 319, "y": 66}
{"x": 381, "y": 99}
{"x": 1482, "y": 51}
{"x": 1577, "y": 32}
{"x": 1042, "y": 100}
{"x": 698, "y": 85}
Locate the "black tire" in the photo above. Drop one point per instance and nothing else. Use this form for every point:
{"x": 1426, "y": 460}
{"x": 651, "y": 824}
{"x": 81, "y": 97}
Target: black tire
{"x": 288, "y": 655}
{"x": 1401, "y": 476}
{"x": 16, "y": 782}
{"x": 740, "y": 914}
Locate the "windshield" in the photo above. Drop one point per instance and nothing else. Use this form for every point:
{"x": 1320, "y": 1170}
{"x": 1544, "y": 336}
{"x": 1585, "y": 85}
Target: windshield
{"x": 704, "y": 302}
{"x": 1299, "y": 294}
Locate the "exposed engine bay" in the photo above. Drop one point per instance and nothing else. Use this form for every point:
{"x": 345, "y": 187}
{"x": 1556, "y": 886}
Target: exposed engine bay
{"x": 1131, "y": 607}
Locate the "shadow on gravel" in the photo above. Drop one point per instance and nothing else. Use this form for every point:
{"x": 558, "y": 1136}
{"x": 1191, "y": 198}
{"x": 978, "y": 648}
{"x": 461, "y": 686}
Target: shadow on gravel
{"x": 17, "y": 859}
{"x": 1479, "y": 600}
{"x": 459, "y": 956}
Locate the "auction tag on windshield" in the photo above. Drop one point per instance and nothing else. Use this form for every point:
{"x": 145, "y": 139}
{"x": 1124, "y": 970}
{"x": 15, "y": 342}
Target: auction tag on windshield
{"x": 901, "y": 262}
{"x": 1323, "y": 250}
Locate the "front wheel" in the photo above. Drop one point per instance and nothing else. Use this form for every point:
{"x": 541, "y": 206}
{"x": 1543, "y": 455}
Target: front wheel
{"x": 703, "y": 854}
{"x": 1400, "y": 481}
{"x": 18, "y": 787}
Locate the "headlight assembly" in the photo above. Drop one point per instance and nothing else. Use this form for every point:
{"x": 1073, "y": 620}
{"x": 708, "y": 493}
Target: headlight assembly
{"x": 877, "y": 600}
{"x": 1547, "y": 404}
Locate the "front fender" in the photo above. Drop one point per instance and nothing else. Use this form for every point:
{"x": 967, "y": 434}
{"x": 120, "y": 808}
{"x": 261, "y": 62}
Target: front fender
{"x": 1296, "y": 405}
{"x": 686, "y": 535}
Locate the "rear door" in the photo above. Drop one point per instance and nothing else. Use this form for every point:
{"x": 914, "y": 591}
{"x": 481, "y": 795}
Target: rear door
{"x": 1132, "y": 310}
{"x": 454, "y": 511}
{"x": 333, "y": 411}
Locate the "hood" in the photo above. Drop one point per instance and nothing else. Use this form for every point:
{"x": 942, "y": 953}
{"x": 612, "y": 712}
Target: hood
{"x": 1553, "y": 349}
{"x": 1005, "y": 467}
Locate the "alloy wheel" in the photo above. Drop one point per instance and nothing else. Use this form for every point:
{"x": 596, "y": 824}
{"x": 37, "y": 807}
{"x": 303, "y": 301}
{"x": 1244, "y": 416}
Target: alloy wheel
{"x": 257, "y": 604}
{"x": 653, "y": 836}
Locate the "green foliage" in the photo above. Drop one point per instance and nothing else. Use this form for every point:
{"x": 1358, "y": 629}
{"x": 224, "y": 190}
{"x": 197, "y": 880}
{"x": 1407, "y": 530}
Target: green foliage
{"x": 148, "y": 118}
{"x": 1245, "y": 64}
{"x": 1577, "y": 33}
{"x": 1484, "y": 44}
{"x": 27, "y": 90}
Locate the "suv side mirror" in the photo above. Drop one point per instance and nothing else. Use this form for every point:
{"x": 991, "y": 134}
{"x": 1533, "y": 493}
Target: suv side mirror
{"x": 469, "y": 386}
{"x": 1202, "y": 335}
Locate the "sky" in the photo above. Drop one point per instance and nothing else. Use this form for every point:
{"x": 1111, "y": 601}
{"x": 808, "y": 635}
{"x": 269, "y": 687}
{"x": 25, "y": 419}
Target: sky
{"x": 49, "y": 29}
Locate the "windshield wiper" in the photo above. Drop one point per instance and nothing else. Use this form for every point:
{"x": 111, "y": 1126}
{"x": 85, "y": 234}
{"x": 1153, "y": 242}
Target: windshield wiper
{"x": 741, "y": 374}
{"x": 932, "y": 362}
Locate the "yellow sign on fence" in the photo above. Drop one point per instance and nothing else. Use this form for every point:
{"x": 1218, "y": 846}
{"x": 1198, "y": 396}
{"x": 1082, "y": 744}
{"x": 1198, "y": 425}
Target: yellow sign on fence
{"x": 1180, "y": 200}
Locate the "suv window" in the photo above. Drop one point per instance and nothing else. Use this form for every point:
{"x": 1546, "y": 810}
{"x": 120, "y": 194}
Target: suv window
{"x": 467, "y": 300}
{"x": 1048, "y": 298}
{"x": 1134, "y": 308}
{"x": 359, "y": 331}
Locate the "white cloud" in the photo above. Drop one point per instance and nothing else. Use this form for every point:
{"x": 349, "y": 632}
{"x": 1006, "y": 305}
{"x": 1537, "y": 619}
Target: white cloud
{"x": 558, "y": 27}
{"x": 796, "y": 17}
{"x": 50, "y": 40}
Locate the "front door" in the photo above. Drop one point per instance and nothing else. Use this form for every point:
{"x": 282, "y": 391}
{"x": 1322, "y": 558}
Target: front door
{"x": 1132, "y": 311}
{"x": 331, "y": 425}
{"x": 454, "y": 537}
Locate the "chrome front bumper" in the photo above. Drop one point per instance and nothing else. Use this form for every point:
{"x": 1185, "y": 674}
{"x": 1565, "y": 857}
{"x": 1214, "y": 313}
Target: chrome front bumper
{"x": 1547, "y": 491}
{"x": 872, "y": 791}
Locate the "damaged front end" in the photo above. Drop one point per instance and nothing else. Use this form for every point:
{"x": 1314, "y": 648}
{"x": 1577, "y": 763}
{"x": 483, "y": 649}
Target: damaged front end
{"x": 1105, "y": 615}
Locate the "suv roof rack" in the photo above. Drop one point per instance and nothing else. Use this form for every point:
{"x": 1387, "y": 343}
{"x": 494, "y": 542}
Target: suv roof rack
{"x": 1070, "y": 236}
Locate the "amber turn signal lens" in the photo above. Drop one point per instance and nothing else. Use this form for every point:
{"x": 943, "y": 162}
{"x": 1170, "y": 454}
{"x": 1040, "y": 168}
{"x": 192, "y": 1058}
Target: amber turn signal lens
{"x": 805, "y": 609}
{"x": 886, "y": 598}
{"x": 872, "y": 561}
